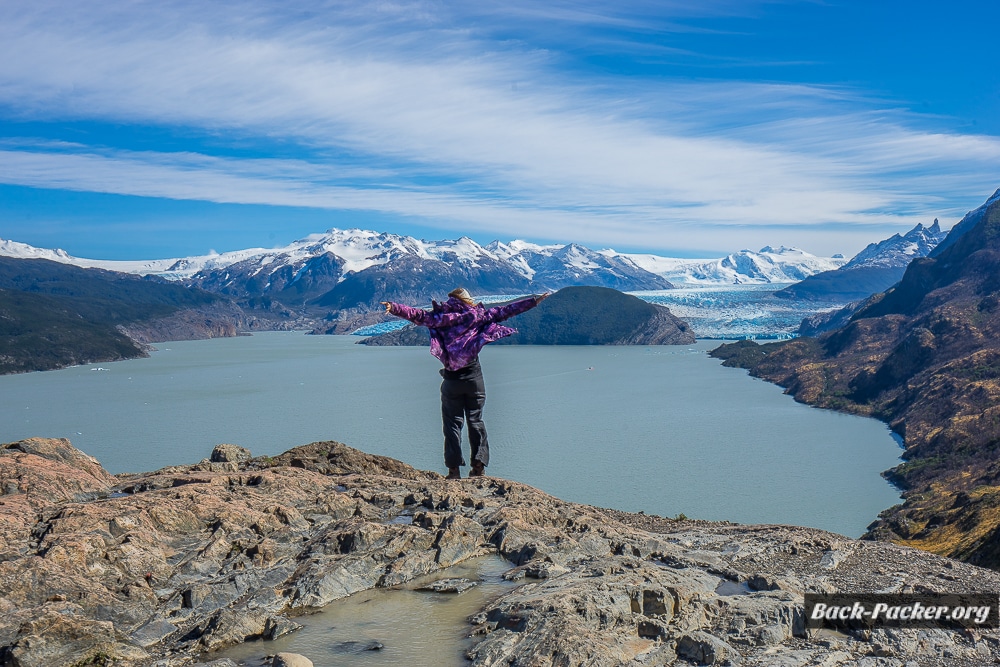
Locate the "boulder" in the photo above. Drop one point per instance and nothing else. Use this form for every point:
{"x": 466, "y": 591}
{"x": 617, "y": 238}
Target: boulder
{"x": 57, "y": 640}
{"x": 455, "y": 585}
{"x": 51, "y": 471}
{"x": 291, "y": 660}
{"x": 706, "y": 649}
{"x": 226, "y": 453}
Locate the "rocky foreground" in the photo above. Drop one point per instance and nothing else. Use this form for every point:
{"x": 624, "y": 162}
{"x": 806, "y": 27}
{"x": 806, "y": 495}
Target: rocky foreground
{"x": 160, "y": 568}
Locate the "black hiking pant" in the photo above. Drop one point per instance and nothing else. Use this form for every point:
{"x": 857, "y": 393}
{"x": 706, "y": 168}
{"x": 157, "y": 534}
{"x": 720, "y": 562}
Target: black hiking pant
{"x": 463, "y": 394}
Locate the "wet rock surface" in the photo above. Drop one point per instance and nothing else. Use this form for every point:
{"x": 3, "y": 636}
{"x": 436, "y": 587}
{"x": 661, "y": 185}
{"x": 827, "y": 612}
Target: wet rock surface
{"x": 454, "y": 586}
{"x": 161, "y": 568}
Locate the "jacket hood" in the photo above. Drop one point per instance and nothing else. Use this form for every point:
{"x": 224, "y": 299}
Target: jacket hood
{"x": 452, "y": 305}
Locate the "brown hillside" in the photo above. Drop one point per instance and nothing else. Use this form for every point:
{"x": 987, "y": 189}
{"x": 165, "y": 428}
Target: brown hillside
{"x": 925, "y": 357}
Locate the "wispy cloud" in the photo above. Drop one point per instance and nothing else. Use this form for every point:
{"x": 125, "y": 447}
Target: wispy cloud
{"x": 410, "y": 108}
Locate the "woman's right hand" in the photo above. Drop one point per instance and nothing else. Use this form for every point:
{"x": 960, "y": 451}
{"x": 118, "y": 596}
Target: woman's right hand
{"x": 388, "y": 307}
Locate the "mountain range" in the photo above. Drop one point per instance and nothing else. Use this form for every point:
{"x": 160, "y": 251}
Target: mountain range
{"x": 344, "y": 268}
{"x": 329, "y": 283}
{"x": 767, "y": 266}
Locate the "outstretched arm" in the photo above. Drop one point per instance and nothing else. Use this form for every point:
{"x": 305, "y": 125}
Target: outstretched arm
{"x": 425, "y": 318}
{"x": 501, "y": 313}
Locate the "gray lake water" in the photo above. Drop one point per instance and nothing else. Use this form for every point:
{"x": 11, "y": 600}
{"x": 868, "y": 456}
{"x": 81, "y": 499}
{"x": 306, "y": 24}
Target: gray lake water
{"x": 666, "y": 430}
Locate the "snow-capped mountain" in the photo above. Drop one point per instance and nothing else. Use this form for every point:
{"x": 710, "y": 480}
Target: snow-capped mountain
{"x": 167, "y": 268}
{"x": 970, "y": 220}
{"x": 769, "y": 265}
{"x": 567, "y": 265}
{"x": 356, "y": 268}
{"x": 873, "y": 270}
{"x": 899, "y": 250}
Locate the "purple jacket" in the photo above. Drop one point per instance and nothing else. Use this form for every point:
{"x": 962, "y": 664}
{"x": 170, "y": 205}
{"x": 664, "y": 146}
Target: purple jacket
{"x": 459, "y": 331}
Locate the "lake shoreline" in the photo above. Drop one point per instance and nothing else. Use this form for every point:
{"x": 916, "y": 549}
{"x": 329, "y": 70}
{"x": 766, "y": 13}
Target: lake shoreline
{"x": 604, "y": 417}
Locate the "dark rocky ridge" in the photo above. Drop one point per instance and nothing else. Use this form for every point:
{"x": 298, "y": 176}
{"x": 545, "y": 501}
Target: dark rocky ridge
{"x": 924, "y": 357}
{"x": 293, "y": 283}
{"x": 157, "y": 568}
{"x": 578, "y": 316}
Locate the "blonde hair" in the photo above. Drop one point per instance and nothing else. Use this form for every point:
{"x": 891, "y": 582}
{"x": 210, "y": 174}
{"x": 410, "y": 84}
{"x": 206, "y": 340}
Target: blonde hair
{"x": 463, "y": 294}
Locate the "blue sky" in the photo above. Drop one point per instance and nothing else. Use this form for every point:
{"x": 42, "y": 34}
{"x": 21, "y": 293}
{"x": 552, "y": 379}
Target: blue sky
{"x": 142, "y": 130}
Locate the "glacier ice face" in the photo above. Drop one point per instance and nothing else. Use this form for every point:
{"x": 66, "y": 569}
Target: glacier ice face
{"x": 735, "y": 312}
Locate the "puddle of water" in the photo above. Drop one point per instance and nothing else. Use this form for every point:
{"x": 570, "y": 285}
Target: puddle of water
{"x": 401, "y": 519}
{"x": 390, "y": 626}
{"x": 727, "y": 587}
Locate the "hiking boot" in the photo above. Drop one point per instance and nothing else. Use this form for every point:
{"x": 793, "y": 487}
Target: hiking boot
{"x": 478, "y": 469}
{"x": 454, "y": 473}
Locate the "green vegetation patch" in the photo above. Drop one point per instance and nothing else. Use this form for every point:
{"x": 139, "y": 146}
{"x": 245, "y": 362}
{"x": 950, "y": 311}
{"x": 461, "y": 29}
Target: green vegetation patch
{"x": 38, "y": 332}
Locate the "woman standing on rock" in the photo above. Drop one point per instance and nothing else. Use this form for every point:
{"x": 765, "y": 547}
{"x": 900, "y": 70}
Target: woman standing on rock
{"x": 459, "y": 329}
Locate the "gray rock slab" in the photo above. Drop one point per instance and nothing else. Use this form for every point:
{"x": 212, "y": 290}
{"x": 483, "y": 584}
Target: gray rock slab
{"x": 454, "y": 585}
{"x": 152, "y": 632}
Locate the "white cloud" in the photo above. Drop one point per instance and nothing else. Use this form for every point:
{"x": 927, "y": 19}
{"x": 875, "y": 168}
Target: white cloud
{"x": 395, "y": 107}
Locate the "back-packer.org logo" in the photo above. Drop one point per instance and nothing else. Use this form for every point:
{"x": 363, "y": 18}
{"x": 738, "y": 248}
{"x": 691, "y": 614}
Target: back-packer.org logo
{"x": 844, "y": 611}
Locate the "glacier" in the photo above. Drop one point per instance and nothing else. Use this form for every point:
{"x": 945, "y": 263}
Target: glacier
{"x": 737, "y": 312}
